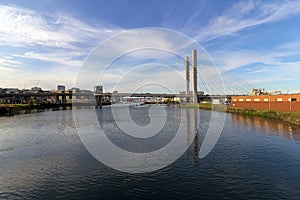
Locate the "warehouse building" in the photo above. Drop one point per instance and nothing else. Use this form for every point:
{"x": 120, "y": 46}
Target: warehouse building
{"x": 281, "y": 102}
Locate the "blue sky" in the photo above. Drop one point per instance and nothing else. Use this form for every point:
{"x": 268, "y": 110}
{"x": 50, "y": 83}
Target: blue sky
{"x": 44, "y": 43}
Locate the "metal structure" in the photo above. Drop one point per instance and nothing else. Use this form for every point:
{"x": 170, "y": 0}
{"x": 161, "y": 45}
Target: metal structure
{"x": 60, "y": 97}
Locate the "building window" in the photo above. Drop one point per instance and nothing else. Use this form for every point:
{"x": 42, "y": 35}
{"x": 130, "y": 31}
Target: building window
{"x": 266, "y": 99}
{"x": 279, "y": 99}
{"x": 256, "y": 99}
{"x": 234, "y": 100}
{"x": 248, "y": 99}
{"x": 293, "y": 99}
{"x": 241, "y": 99}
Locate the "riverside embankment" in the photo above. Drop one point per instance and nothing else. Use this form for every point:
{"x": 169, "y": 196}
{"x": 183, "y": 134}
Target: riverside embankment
{"x": 290, "y": 117}
{"x": 12, "y": 109}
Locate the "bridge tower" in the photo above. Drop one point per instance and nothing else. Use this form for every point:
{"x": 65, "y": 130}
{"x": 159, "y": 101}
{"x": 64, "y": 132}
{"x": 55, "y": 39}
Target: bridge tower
{"x": 187, "y": 74}
{"x": 195, "y": 93}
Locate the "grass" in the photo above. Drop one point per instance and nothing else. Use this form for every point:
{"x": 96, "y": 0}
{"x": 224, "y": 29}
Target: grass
{"x": 290, "y": 117}
{"x": 206, "y": 106}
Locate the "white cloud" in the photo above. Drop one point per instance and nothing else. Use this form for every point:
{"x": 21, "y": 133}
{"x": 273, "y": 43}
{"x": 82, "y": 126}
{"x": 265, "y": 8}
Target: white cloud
{"x": 265, "y": 68}
{"x": 230, "y": 60}
{"x": 55, "y": 40}
{"x": 247, "y": 14}
{"x": 20, "y": 27}
{"x": 136, "y": 41}
{"x": 6, "y": 71}
{"x": 48, "y": 79}
{"x": 8, "y": 61}
{"x": 159, "y": 78}
{"x": 238, "y": 58}
{"x": 62, "y": 58}
{"x": 63, "y": 41}
{"x": 290, "y": 46}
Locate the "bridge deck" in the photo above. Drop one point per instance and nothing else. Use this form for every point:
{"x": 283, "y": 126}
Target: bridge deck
{"x": 109, "y": 95}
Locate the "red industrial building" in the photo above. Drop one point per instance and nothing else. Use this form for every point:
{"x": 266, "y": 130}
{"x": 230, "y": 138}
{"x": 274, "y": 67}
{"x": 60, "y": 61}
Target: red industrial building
{"x": 282, "y": 102}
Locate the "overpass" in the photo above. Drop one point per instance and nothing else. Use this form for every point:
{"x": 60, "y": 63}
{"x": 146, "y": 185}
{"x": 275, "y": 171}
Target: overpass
{"x": 98, "y": 95}
{"x": 61, "y": 97}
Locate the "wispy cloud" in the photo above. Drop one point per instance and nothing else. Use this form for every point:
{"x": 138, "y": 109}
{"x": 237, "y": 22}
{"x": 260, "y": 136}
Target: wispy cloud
{"x": 60, "y": 58}
{"x": 55, "y": 40}
{"x": 10, "y": 62}
{"x": 22, "y": 27}
{"x": 239, "y": 58}
{"x": 246, "y": 14}
{"x": 155, "y": 77}
{"x": 57, "y": 44}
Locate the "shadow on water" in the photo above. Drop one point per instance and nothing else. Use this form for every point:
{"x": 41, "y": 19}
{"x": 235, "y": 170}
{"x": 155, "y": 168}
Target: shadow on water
{"x": 31, "y": 110}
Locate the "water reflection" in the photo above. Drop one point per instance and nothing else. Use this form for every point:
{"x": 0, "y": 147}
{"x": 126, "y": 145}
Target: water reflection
{"x": 192, "y": 122}
{"x": 274, "y": 127}
{"x": 48, "y": 161}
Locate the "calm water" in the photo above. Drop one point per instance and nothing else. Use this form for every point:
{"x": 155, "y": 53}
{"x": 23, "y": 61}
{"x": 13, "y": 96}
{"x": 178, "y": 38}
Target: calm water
{"x": 42, "y": 157}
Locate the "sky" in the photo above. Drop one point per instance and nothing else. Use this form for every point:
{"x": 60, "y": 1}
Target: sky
{"x": 45, "y": 43}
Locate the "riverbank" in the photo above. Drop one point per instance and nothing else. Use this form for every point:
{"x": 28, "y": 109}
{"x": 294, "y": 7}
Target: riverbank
{"x": 13, "y": 109}
{"x": 16, "y": 109}
{"x": 290, "y": 117}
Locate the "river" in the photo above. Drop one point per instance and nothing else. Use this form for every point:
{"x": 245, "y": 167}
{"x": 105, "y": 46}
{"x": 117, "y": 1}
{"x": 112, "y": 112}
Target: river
{"x": 42, "y": 157}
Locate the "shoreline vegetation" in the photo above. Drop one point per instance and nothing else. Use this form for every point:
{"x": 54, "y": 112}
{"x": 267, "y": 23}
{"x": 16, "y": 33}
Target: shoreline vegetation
{"x": 14, "y": 109}
{"x": 289, "y": 117}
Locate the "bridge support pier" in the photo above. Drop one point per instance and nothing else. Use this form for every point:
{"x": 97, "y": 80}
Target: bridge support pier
{"x": 26, "y": 99}
{"x": 56, "y": 99}
{"x": 64, "y": 100}
{"x": 98, "y": 103}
